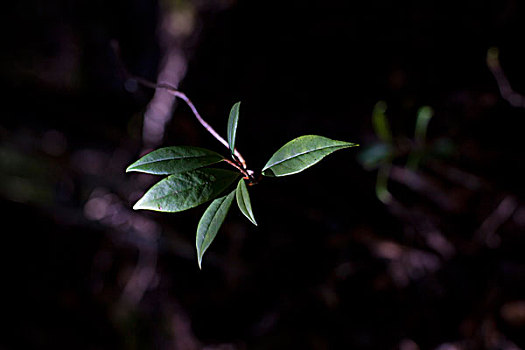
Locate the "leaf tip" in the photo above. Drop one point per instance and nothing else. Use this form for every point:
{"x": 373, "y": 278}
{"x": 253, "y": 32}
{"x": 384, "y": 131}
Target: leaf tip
{"x": 232, "y": 126}
{"x": 268, "y": 173}
{"x": 141, "y": 204}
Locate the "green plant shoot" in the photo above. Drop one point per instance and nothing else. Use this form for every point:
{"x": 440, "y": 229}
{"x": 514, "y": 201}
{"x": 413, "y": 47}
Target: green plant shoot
{"x": 191, "y": 181}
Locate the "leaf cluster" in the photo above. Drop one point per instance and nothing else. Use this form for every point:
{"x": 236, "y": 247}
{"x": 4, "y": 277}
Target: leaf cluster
{"x": 388, "y": 148}
{"x": 191, "y": 181}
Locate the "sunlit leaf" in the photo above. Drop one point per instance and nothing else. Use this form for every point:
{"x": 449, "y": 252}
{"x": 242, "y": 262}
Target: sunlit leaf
{"x": 243, "y": 201}
{"x": 210, "y": 223}
{"x": 186, "y": 190}
{"x": 302, "y": 153}
{"x": 232, "y": 125}
{"x": 171, "y": 160}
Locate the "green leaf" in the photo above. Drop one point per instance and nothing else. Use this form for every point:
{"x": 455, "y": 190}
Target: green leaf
{"x": 424, "y": 114}
{"x": 243, "y": 201}
{"x": 186, "y": 190}
{"x": 210, "y": 223}
{"x": 443, "y": 147}
{"x": 380, "y": 123}
{"x": 375, "y": 154}
{"x": 382, "y": 192}
{"x": 493, "y": 58}
{"x": 232, "y": 126}
{"x": 418, "y": 153}
{"x": 302, "y": 153}
{"x": 171, "y": 160}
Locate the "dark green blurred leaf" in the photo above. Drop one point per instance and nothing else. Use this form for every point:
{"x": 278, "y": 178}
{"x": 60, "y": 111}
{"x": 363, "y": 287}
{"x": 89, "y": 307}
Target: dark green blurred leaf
{"x": 374, "y": 155}
{"x": 380, "y": 122}
{"x": 443, "y": 147}
{"x": 171, "y": 160}
{"x": 493, "y": 57}
{"x": 424, "y": 114}
{"x": 382, "y": 192}
{"x": 186, "y": 190}
{"x": 232, "y": 126}
{"x": 243, "y": 201}
{"x": 302, "y": 153}
{"x": 210, "y": 223}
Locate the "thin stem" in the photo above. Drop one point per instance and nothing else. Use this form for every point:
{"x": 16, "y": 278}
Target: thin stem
{"x": 236, "y": 166}
{"x": 238, "y": 161}
{"x": 173, "y": 91}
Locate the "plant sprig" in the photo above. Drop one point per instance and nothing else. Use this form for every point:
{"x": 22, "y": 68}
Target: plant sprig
{"x": 191, "y": 182}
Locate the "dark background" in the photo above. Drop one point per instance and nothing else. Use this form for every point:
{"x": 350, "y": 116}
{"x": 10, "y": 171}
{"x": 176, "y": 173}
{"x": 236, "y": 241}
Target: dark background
{"x": 329, "y": 266}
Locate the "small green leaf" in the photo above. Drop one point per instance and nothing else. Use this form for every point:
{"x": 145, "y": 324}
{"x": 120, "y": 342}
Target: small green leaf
{"x": 171, "y": 160}
{"x": 382, "y": 192}
{"x": 302, "y": 153}
{"x": 380, "y": 123}
{"x": 232, "y": 126}
{"x": 493, "y": 58}
{"x": 418, "y": 153}
{"x": 210, "y": 223}
{"x": 424, "y": 114}
{"x": 186, "y": 190}
{"x": 243, "y": 201}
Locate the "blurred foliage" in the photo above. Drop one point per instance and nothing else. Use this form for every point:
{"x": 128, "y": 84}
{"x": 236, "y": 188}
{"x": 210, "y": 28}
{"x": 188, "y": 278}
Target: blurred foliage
{"x": 441, "y": 266}
{"x": 388, "y": 149}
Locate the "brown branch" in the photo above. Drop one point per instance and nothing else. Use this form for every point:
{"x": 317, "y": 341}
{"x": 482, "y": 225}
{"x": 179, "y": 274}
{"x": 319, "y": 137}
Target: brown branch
{"x": 172, "y": 90}
{"x": 236, "y": 166}
{"x": 175, "y": 92}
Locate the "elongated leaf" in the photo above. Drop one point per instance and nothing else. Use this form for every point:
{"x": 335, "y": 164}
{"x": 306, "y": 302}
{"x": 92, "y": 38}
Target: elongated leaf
{"x": 424, "y": 114}
{"x": 171, "y": 160}
{"x": 380, "y": 123}
{"x": 186, "y": 190}
{"x": 232, "y": 125}
{"x": 302, "y": 153}
{"x": 210, "y": 223}
{"x": 243, "y": 201}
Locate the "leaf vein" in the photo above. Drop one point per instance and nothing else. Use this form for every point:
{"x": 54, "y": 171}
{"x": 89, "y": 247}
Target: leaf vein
{"x": 302, "y": 153}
